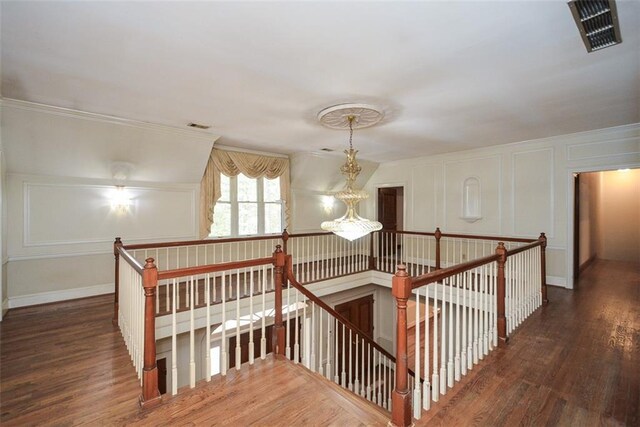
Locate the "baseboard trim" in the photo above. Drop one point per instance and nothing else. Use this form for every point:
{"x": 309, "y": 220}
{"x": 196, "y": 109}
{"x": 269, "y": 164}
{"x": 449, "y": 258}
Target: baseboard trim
{"x": 5, "y": 307}
{"x": 586, "y": 264}
{"x": 55, "y": 296}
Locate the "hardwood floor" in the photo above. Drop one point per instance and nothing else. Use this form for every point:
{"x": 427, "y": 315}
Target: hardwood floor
{"x": 574, "y": 362}
{"x": 65, "y": 364}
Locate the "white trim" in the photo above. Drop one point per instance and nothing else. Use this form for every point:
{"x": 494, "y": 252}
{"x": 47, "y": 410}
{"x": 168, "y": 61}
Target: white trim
{"x": 26, "y": 190}
{"x": 62, "y": 295}
{"x": 557, "y": 281}
{"x": 103, "y": 118}
{"x": 61, "y": 255}
{"x": 244, "y": 150}
{"x": 5, "y": 308}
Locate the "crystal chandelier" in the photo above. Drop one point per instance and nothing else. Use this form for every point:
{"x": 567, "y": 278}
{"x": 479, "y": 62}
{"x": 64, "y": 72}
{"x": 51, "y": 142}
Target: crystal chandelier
{"x": 351, "y": 226}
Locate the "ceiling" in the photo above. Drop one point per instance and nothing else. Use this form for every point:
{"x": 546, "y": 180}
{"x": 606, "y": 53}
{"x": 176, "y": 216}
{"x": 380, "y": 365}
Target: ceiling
{"x": 449, "y": 75}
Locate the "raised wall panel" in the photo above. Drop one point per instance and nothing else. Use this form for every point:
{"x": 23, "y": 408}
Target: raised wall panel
{"x": 533, "y": 193}
{"x": 488, "y": 170}
{"x": 57, "y": 214}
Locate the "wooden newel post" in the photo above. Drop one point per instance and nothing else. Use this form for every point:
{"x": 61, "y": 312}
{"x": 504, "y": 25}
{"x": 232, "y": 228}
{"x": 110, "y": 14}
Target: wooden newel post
{"x": 116, "y": 254}
{"x": 150, "y": 393}
{"x": 438, "y": 235}
{"x": 401, "y": 395}
{"x": 543, "y": 268}
{"x": 278, "y": 327}
{"x": 501, "y": 251}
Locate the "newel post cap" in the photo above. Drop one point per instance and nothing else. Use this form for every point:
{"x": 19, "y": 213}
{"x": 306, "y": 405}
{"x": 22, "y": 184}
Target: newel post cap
{"x": 401, "y": 283}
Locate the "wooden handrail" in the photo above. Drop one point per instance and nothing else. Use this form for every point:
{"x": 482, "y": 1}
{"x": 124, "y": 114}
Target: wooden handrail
{"x": 443, "y": 273}
{"x": 535, "y": 243}
{"x": 212, "y": 268}
{"x": 293, "y": 282}
{"x": 495, "y": 238}
{"x": 318, "y": 233}
{"x": 200, "y": 242}
{"x": 130, "y": 259}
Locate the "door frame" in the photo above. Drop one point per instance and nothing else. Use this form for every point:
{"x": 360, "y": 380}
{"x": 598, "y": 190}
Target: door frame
{"x": 570, "y": 249}
{"x": 404, "y": 200}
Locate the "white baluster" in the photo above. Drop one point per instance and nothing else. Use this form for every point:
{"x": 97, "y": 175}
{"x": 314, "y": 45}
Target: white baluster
{"x": 287, "y": 350}
{"x": 251, "y": 344}
{"x": 238, "y": 348}
{"x": 174, "y": 344}
{"x": 443, "y": 343}
{"x": 263, "y": 338}
{"x": 192, "y": 345}
{"x": 329, "y": 340}
{"x": 435, "y": 381}
{"x": 312, "y": 361}
{"x": 296, "y": 342}
{"x": 457, "y": 281}
{"x": 223, "y": 350}
{"x": 426, "y": 390}
{"x": 320, "y": 346}
{"x": 207, "y": 301}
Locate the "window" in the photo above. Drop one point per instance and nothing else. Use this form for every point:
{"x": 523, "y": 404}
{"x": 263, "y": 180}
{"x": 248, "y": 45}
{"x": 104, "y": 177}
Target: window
{"x": 247, "y": 207}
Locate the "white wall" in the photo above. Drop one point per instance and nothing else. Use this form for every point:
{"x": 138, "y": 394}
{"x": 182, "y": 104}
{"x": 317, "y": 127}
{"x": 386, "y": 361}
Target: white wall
{"x": 61, "y": 225}
{"x": 619, "y": 216}
{"x": 526, "y": 188}
{"x": 589, "y": 197}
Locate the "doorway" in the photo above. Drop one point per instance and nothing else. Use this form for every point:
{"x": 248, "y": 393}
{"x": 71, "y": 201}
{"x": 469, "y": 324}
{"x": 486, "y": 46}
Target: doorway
{"x": 391, "y": 216}
{"x": 360, "y": 313}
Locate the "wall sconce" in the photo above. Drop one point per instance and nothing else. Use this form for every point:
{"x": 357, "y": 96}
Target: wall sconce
{"x": 120, "y": 200}
{"x": 327, "y": 204}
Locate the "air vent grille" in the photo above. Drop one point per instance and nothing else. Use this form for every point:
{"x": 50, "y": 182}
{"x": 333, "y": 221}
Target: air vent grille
{"x": 198, "y": 126}
{"x": 597, "y": 21}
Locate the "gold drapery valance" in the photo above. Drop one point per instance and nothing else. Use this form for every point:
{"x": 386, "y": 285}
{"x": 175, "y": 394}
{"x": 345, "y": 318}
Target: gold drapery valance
{"x": 232, "y": 163}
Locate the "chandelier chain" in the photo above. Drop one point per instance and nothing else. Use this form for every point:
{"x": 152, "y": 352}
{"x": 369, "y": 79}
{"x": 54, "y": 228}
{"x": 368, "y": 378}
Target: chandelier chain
{"x": 351, "y": 118}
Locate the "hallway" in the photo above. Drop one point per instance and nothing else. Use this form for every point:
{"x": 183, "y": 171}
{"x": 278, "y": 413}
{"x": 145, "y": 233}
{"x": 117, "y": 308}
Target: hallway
{"x": 574, "y": 362}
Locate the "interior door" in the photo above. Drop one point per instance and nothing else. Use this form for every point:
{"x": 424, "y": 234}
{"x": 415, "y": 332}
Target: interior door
{"x": 388, "y": 216}
{"x": 360, "y": 313}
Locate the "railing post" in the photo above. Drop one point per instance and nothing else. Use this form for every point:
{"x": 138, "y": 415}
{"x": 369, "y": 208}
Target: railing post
{"x": 150, "y": 393}
{"x": 501, "y": 251}
{"x": 438, "y": 235}
{"x": 401, "y": 396}
{"x": 372, "y": 259}
{"x": 116, "y": 254}
{"x": 278, "y": 327}
{"x": 543, "y": 268}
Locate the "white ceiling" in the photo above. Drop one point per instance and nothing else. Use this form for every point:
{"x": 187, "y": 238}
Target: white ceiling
{"x": 449, "y": 75}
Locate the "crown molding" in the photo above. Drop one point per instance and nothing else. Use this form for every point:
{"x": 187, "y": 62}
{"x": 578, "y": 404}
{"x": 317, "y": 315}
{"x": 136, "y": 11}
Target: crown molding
{"x": 103, "y": 118}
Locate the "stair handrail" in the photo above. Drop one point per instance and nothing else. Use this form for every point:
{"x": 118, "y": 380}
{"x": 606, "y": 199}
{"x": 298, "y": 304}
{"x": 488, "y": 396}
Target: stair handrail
{"x": 312, "y": 297}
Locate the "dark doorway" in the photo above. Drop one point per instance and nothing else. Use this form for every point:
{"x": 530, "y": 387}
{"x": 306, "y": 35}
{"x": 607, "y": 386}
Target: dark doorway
{"x": 360, "y": 313}
{"x": 390, "y": 215}
{"x": 576, "y": 226}
{"x": 162, "y": 375}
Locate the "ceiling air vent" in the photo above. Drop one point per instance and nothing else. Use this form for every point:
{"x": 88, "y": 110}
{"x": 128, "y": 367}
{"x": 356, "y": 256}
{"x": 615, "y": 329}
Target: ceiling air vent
{"x": 328, "y": 150}
{"x": 597, "y": 21}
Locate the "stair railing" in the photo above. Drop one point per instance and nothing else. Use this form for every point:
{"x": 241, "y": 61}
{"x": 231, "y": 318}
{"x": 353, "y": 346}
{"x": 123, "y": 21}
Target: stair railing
{"x": 476, "y": 305}
{"x": 316, "y": 336}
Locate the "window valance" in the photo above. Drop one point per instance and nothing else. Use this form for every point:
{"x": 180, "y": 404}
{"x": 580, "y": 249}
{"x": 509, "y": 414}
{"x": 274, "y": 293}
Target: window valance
{"x": 232, "y": 163}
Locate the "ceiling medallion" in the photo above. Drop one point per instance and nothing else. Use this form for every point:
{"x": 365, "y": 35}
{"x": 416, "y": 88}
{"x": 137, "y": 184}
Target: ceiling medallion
{"x": 337, "y": 116}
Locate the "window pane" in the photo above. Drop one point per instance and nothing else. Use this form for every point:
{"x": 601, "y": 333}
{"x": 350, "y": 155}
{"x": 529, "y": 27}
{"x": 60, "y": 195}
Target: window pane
{"x": 271, "y": 190}
{"x": 247, "y": 218}
{"x": 247, "y": 189}
{"x": 225, "y": 184}
{"x": 221, "y": 220}
{"x": 272, "y": 218}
